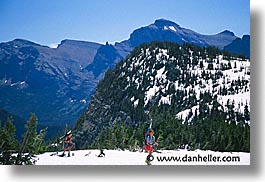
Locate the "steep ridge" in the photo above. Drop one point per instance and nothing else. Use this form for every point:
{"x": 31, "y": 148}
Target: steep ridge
{"x": 183, "y": 85}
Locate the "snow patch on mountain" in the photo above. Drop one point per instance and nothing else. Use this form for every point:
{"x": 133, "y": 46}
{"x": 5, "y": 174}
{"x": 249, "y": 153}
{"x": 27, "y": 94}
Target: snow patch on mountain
{"x": 172, "y": 28}
{"x": 150, "y": 93}
{"x": 53, "y": 45}
{"x": 185, "y": 113}
{"x": 239, "y": 100}
{"x": 228, "y": 79}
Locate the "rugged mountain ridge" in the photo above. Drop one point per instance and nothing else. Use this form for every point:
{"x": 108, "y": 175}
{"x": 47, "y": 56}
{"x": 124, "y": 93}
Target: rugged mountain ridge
{"x": 184, "y": 86}
{"x": 56, "y": 83}
{"x": 165, "y": 30}
{"x": 35, "y": 78}
{"x": 240, "y": 46}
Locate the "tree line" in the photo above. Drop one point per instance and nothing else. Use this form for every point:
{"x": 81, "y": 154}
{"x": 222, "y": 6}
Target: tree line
{"x": 208, "y": 128}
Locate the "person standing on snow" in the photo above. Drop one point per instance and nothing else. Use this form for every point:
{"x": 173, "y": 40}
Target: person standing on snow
{"x": 68, "y": 143}
{"x": 150, "y": 142}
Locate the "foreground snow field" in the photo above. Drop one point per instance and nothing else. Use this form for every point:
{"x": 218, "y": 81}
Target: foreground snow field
{"x": 116, "y": 157}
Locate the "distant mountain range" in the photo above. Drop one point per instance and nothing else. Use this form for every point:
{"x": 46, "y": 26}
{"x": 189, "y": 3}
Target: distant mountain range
{"x": 52, "y": 83}
{"x": 57, "y": 83}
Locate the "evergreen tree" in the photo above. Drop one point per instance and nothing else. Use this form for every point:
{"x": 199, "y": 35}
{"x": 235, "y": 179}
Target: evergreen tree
{"x": 8, "y": 143}
{"x": 246, "y": 113}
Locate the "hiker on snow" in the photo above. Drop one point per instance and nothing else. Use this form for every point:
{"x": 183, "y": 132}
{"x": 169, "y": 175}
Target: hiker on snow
{"x": 150, "y": 142}
{"x": 68, "y": 143}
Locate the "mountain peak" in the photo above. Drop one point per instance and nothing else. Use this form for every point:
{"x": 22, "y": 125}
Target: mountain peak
{"x": 77, "y": 43}
{"x": 246, "y": 37}
{"x": 23, "y": 42}
{"x": 227, "y": 32}
{"x": 163, "y": 22}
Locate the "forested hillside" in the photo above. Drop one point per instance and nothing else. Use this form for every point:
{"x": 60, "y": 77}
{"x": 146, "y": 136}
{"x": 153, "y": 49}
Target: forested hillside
{"x": 197, "y": 97}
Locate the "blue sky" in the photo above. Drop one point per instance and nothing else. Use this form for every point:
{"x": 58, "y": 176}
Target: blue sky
{"x": 48, "y": 22}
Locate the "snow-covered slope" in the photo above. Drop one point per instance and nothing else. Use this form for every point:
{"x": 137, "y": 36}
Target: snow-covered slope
{"x": 226, "y": 78}
{"x": 189, "y": 83}
{"x": 116, "y": 157}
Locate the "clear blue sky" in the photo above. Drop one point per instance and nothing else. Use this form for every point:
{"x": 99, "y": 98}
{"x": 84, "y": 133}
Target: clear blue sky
{"x": 47, "y": 22}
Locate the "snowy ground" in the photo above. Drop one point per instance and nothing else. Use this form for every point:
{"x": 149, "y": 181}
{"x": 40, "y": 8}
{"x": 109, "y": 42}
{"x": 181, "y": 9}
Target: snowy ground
{"x": 115, "y": 157}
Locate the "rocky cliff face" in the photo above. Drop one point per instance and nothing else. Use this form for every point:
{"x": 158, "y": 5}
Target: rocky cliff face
{"x": 52, "y": 83}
